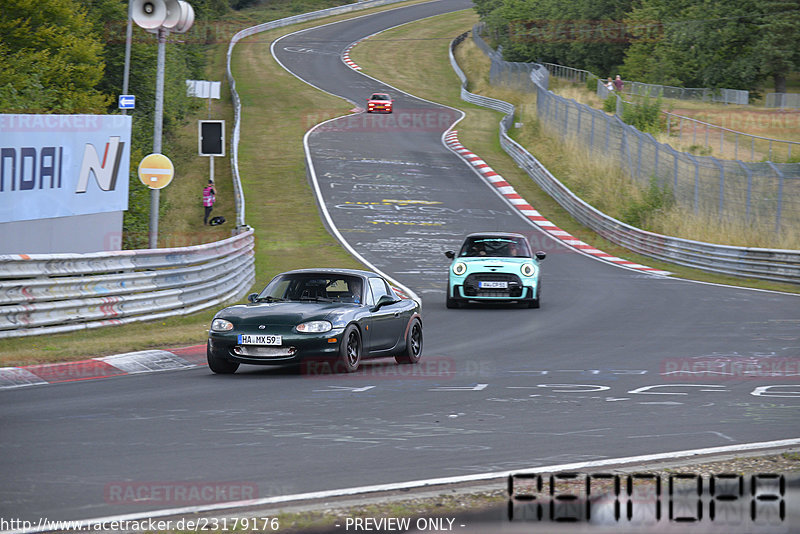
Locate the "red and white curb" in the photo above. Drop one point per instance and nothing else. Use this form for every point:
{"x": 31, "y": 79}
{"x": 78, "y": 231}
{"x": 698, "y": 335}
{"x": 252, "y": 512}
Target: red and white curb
{"x": 146, "y": 361}
{"x": 534, "y": 216}
{"x": 346, "y": 56}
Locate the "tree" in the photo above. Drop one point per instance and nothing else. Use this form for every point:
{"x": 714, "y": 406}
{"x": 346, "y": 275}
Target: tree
{"x": 585, "y": 34}
{"x": 714, "y": 43}
{"x": 778, "y": 48}
{"x": 50, "y": 59}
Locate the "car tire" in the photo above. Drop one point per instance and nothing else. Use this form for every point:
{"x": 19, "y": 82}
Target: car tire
{"x": 349, "y": 350}
{"x": 534, "y": 303}
{"x": 218, "y": 365}
{"x": 413, "y": 351}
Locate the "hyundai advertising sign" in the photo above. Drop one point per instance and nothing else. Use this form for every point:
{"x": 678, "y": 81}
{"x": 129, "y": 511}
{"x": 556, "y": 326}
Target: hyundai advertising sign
{"x": 63, "y": 165}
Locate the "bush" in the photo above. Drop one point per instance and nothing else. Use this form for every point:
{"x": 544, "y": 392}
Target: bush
{"x": 610, "y": 103}
{"x": 655, "y": 199}
{"x": 644, "y": 113}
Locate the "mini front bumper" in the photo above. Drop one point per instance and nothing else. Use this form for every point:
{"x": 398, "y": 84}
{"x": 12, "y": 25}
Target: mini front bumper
{"x": 522, "y": 293}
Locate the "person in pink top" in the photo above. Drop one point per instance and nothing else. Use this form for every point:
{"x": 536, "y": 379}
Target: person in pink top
{"x": 209, "y": 196}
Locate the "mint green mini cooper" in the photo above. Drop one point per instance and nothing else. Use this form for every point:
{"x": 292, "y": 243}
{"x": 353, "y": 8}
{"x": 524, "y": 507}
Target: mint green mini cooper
{"x": 494, "y": 267}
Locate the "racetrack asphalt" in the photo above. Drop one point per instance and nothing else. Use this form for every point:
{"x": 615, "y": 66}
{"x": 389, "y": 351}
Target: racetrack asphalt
{"x": 615, "y": 363}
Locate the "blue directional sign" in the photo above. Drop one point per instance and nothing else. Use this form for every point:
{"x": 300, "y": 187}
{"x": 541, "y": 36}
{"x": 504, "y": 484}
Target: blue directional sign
{"x": 127, "y": 101}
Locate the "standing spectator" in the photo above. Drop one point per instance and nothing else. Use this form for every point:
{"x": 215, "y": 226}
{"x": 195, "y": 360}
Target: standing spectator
{"x": 609, "y": 84}
{"x": 209, "y": 196}
{"x": 618, "y": 83}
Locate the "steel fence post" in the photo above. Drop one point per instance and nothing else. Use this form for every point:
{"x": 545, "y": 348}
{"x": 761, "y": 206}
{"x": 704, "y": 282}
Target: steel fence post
{"x": 639, "y": 158}
{"x": 749, "y": 174}
{"x": 721, "y": 168}
{"x": 779, "y": 199}
{"x": 696, "y": 182}
{"x": 655, "y": 164}
{"x": 675, "y": 170}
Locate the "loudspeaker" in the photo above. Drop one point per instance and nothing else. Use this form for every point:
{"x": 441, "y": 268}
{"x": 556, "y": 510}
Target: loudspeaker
{"x": 149, "y": 14}
{"x": 186, "y": 19}
{"x": 173, "y": 14}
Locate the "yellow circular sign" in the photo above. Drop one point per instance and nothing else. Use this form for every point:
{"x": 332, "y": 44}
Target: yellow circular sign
{"x": 156, "y": 171}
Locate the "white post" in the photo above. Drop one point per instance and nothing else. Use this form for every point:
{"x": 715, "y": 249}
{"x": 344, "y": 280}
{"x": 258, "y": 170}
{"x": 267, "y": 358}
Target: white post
{"x": 159, "y": 118}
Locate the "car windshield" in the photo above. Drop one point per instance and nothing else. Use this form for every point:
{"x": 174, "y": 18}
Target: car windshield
{"x": 379, "y": 96}
{"x": 316, "y": 287}
{"x": 495, "y": 247}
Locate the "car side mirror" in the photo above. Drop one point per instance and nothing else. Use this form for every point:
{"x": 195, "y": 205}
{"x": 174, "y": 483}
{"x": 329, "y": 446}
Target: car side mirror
{"x": 540, "y": 255}
{"x": 384, "y": 301}
{"x": 450, "y": 254}
{"x": 252, "y": 297}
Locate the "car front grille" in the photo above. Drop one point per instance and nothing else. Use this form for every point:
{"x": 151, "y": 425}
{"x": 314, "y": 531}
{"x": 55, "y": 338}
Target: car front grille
{"x": 268, "y": 353}
{"x": 472, "y": 285}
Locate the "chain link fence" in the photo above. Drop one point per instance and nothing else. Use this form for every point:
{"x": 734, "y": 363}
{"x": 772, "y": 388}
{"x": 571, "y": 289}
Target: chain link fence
{"x": 764, "y": 194}
{"x": 782, "y": 100}
{"x": 724, "y": 96}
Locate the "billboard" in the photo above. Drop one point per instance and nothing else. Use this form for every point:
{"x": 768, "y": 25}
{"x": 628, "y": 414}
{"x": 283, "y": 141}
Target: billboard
{"x": 63, "y": 165}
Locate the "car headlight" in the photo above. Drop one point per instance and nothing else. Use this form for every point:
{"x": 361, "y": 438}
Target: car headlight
{"x": 460, "y": 268}
{"x": 221, "y": 325}
{"x": 314, "y": 327}
{"x": 528, "y": 269}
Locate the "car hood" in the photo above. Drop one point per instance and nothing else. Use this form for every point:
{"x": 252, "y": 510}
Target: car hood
{"x": 494, "y": 262}
{"x": 284, "y": 313}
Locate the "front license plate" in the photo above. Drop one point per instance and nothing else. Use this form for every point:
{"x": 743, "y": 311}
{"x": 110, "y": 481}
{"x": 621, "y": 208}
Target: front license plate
{"x": 259, "y": 339}
{"x": 493, "y": 285}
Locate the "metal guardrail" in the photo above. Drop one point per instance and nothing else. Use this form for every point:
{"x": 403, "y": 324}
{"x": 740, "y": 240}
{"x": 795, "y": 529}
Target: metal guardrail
{"x": 766, "y": 264}
{"x": 55, "y": 293}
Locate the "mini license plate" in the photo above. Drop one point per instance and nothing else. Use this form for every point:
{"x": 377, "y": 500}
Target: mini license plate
{"x": 493, "y": 285}
{"x": 259, "y": 339}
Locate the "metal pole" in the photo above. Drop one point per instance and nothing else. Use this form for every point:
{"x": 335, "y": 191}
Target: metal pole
{"x": 159, "y": 117}
{"x": 128, "y": 38}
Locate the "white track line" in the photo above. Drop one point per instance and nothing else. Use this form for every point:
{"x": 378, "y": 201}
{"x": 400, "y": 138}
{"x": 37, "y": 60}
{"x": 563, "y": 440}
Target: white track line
{"x": 416, "y": 484}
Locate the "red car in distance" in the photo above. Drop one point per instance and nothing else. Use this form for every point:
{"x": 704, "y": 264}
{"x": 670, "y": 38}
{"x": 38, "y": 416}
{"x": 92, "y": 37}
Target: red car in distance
{"x": 379, "y": 102}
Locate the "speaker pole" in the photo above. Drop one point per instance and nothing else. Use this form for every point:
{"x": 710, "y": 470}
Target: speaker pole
{"x": 159, "y": 117}
{"x": 128, "y": 39}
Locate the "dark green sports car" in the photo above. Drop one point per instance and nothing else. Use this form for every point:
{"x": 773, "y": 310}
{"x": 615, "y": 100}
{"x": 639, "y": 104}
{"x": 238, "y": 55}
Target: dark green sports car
{"x": 339, "y": 316}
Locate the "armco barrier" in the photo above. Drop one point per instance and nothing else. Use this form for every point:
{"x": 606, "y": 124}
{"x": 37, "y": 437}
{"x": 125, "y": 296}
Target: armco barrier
{"x": 54, "y": 293}
{"x": 767, "y": 264}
